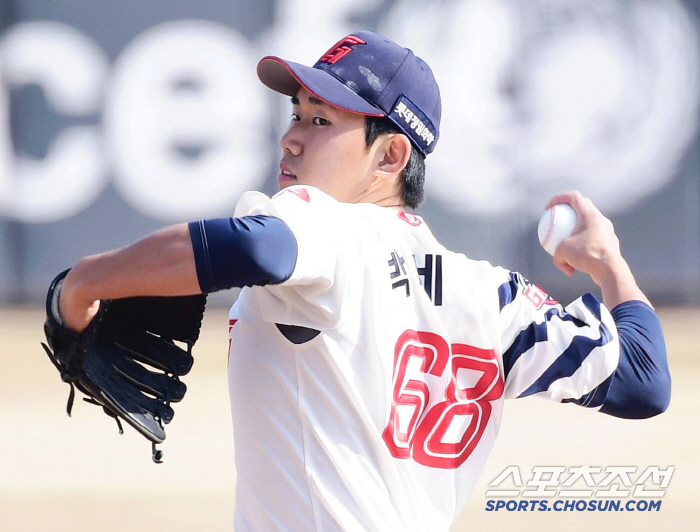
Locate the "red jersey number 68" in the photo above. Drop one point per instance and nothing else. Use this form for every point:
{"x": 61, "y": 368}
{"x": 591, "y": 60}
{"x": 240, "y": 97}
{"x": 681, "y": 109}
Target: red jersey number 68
{"x": 448, "y": 432}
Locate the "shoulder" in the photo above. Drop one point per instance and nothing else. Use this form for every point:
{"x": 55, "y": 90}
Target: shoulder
{"x": 305, "y": 198}
{"x": 297, "y": 198}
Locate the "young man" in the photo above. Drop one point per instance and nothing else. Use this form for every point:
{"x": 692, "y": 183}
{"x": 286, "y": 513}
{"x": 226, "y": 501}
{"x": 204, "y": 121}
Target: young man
{"x": 369, "y": 364}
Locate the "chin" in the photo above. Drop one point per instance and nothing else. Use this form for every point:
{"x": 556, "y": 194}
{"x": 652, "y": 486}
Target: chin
{"x": 286, "y": 184}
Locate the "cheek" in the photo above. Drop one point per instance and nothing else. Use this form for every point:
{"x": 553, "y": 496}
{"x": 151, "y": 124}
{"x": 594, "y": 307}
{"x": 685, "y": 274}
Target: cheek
{"x": 349, "y": 171}
{"x": 352, "y": 159}
{"x": 338, "y": 166}
{"x": 335, "y": 163}
{"x": 327, "y": 166}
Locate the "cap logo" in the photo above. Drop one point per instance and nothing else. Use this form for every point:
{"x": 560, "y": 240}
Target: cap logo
{"x": 340, "y": 49}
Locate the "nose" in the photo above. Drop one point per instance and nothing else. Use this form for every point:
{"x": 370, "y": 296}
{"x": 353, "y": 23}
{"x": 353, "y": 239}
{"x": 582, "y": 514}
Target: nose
{"x": 291, "y": 141}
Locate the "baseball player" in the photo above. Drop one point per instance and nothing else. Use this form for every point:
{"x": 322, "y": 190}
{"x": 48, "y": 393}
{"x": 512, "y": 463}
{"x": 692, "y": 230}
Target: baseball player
{"x": 368, "y": 363}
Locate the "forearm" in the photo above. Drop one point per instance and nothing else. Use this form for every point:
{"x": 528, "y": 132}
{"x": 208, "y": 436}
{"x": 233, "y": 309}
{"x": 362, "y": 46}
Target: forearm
{"x": 161, "y": 264}
{"x": 618, "y": 285}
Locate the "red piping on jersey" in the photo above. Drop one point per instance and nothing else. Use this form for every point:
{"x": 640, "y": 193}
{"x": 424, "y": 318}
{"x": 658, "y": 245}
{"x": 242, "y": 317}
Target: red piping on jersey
{"x": 231, "y": 323}
{"x": 301, "y": 193}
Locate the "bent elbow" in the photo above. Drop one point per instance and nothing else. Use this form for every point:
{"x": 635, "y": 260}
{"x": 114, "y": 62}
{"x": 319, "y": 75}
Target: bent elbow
{"x": 653, "y": 406}
{"x": 641, "y": 402}
{"x": 660, "y": 397}
{"x": 659, "y": 401}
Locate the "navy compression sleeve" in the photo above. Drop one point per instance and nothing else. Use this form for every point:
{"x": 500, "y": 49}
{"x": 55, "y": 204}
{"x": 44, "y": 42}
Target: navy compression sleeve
{"x": 247, "y": 251}
{"x": 641, "y": 385}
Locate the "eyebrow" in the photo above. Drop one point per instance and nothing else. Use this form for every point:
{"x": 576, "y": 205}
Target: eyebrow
{"x": 312, "y": 99}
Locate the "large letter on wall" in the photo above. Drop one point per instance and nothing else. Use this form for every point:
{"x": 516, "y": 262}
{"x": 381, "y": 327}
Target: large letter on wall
{"x": 71, "y": 70}
{"x": 185, "y": 120}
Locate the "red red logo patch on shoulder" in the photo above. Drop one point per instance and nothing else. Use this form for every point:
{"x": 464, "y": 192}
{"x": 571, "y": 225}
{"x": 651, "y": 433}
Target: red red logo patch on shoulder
{"x": 410, "y": 219}
{"x": 301, "y": 192}
{"x": 538, "y": 297}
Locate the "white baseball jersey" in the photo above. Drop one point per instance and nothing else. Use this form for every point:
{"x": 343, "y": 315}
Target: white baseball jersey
{"x": 367, "y": 389}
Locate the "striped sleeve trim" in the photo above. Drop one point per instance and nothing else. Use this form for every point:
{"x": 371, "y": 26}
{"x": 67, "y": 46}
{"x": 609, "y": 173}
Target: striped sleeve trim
{"x": 508, "y": 290}
{"x": 564, "y": 354}
{"x": 595, "y": 398}
{"x": 569, "y": 361}
{"x": 533, "y": 334}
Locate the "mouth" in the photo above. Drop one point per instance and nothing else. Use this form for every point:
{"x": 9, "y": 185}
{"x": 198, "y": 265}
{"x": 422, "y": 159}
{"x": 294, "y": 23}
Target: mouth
{"x": 286, "y": 177}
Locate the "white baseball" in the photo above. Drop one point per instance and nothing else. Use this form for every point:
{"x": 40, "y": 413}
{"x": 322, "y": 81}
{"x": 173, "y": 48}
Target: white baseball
{"x": 556, "y": 224}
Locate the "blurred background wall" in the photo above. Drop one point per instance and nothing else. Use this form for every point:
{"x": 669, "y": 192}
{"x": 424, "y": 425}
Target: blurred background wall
{"x": 117, "y": 118}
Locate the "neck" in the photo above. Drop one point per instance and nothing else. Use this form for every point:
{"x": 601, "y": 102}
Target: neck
{"x": 384, "y": 193}
{"x": 382, "y": 198}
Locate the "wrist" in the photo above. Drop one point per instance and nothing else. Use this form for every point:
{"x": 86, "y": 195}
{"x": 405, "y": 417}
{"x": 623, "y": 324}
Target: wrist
{"x": 73, "y": 286}
{"x": 611, "y": 271}
{"x": 76, "y": 307}
{"x": 617, "y": 283}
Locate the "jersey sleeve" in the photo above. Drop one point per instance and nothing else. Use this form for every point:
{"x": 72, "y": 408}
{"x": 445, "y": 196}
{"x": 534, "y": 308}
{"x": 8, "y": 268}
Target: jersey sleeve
{"x": 318, "y": 286}
{"x": 562, "y": 354}
{"x": 309, "y": 215}
{"x": 641, "y": 385}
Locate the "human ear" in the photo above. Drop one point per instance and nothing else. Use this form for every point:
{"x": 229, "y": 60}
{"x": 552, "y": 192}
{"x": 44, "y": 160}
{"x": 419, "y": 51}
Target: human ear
{"x": 393, "y": 154}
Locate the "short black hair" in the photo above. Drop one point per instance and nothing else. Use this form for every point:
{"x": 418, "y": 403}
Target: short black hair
{"x": 413, "y": 175}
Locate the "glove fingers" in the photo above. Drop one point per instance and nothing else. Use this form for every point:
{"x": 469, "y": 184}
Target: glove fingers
{"x": 125, "y": 398}
{"x": 142, "y": 419}
{"x": 152, "y": 350}
{"x": 143, "y": 404}
{"x": 159, "y": 385}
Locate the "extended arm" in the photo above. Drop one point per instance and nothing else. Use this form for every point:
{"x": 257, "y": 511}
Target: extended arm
{"x": 161, "y": 264}
{"x": 640, "y": 387}
{"x": 180, "y": 260}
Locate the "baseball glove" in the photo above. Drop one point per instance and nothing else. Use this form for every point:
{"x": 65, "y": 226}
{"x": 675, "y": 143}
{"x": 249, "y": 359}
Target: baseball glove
{"x": 126, "y": 360}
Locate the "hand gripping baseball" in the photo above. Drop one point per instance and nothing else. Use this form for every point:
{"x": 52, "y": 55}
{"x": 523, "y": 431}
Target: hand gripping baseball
{"x": 594, "y": 243}
{"x": 126, "y": 359}
{"x": 595, "y": 249}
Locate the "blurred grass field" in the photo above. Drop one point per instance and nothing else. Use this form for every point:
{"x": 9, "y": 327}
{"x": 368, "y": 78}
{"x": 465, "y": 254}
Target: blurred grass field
{"x": 78, "y": 474}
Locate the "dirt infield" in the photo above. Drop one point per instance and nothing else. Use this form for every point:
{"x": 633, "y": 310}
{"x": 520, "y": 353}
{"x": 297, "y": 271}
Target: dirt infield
{"x": 60, "y": 474}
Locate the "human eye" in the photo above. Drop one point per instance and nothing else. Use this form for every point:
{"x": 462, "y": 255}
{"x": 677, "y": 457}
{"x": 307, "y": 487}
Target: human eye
{"x": 319, "y": 121}
{"x": 295, "y": 117}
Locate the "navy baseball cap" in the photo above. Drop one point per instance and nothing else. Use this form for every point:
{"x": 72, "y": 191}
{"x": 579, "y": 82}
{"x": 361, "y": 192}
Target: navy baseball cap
{"x": 368, "y": 74}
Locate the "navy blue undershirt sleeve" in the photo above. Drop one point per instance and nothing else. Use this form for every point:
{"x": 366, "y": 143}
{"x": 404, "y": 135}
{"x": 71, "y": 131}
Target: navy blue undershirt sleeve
{"x": 247, "y": 251}
{"x": 641, "y": 385}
